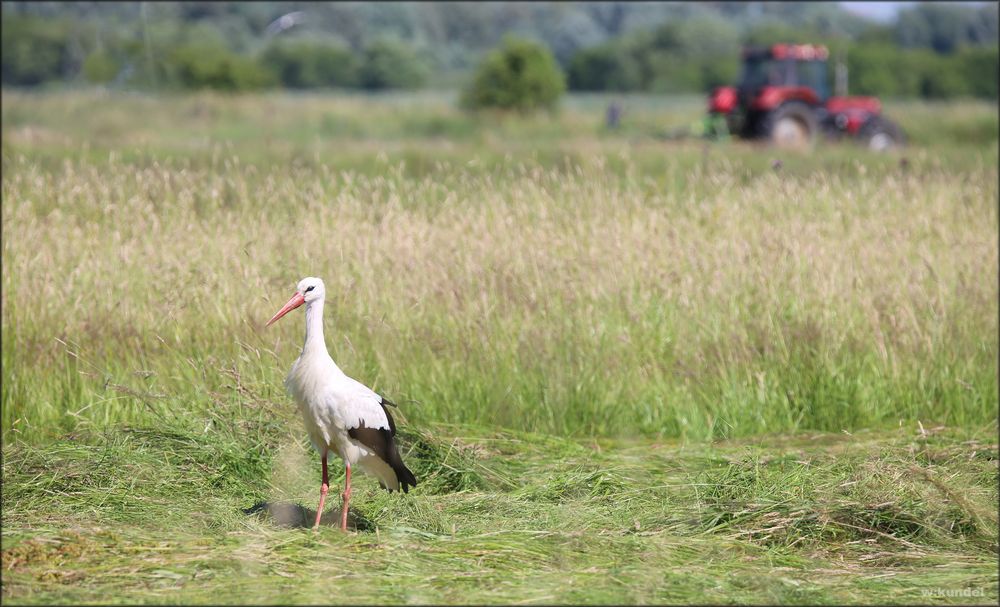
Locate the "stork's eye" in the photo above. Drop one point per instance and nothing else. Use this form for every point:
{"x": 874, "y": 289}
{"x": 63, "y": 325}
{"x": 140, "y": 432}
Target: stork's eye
{"x": 310, "y": 288}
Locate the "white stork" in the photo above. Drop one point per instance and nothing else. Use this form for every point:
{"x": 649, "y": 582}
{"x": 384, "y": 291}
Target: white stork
{"x": 341, "y": 414}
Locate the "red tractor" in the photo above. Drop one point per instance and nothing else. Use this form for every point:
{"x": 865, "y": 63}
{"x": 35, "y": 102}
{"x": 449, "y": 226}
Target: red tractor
{"x": 784, "y": 97}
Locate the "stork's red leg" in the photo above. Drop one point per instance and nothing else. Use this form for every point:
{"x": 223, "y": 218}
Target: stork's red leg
{"x": 324, "y": 488}
{"x": 347, "y": 498}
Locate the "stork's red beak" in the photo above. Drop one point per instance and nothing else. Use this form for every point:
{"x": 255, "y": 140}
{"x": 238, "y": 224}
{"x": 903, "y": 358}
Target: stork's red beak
{"x": 297, "y": 300}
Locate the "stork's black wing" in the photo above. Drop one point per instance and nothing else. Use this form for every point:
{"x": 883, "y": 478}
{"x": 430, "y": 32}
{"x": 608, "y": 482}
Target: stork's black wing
{"x": 380, "y": 441}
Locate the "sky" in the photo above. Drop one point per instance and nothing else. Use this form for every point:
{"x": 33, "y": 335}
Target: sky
{"x": 882, "y": 11}
{"x": 877, "y": 11}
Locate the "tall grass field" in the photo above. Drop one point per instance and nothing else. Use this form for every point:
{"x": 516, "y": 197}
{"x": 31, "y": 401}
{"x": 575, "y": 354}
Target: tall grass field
{"x": 629, "y": 369}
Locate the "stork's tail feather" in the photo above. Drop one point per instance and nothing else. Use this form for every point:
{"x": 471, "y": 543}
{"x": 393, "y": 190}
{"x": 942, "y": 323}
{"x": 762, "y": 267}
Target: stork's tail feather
{"x": 406, "y": 478}
{"x": 403, "y": 474}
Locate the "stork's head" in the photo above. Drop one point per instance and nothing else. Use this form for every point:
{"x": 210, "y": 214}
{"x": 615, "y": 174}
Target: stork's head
{"x": 309, "y": 290}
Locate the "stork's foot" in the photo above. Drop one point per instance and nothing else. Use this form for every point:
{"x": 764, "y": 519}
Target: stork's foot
{"x": 346, "y": 497}
{"x": 322, "y": 501}
{"x": 324, "y": 488}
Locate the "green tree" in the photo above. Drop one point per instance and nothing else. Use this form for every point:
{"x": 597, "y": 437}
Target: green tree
{"x": 205, "y": 65}
{"x": 877, "y": 34}
{"x": 940, "y": 76}
{"x": 980, "y": 67}
{"x": 390, "y": 64}
{"x": 32, "y": 50}
{"x": 100, "y": 67}
{"x": 773, "y": 32}
{"x": 719, "y": 71}
{"x": 877, "y": 69}
{"x": 946, "y": 27}
{"x": 676, "y": 57}
{"x": 308, "y": 64}
{"x": 521, "y": 75}
{"x": 607, "y": 67}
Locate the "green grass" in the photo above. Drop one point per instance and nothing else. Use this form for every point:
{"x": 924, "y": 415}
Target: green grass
{"x": 629, "y": 370}
{"x": 142, "y": 515}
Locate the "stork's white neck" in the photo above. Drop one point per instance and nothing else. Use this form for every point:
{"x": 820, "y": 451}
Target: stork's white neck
{"x": 314, "y": 349}
{"x": 314, "y": 328}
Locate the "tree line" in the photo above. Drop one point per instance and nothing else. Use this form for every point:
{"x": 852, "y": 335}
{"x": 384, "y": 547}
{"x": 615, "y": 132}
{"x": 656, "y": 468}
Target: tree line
{"x": 38, "y": 51}
{"x": 701, "y": 55}
{"x": 931, "y": 50}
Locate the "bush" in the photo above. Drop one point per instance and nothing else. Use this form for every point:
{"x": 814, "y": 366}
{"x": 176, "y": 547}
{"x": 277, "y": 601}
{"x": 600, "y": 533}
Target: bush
{"x": 522, "y": 75}
{"x": 389, "y": 64}
{"x": 198, "y": 66}
{"x": 100, "y": 67}
{"x": 303, "y": 64}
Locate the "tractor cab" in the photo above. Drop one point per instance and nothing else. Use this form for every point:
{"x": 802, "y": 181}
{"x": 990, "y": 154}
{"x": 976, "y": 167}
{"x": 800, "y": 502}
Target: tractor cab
{"x": 784, "y": 95}
{"x": 783, "y": 65}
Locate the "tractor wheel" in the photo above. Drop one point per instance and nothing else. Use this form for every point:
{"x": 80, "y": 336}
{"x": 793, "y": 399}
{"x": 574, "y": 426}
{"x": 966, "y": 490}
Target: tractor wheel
{"x": 880, "y": 134}
{"x": 791, "y": 125}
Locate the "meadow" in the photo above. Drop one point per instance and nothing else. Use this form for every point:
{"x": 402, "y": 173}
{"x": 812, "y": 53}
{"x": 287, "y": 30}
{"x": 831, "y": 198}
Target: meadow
{"x": 629, "y": 369}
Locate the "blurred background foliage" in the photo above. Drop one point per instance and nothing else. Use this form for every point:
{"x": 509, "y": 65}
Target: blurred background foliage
{"x": 930, "y": 50}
